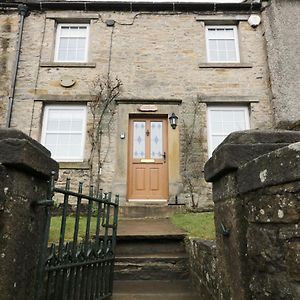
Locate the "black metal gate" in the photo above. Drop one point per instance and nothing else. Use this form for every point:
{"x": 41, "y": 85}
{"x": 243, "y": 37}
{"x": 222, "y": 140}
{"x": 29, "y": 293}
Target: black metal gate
{"x": 80, "y": 264}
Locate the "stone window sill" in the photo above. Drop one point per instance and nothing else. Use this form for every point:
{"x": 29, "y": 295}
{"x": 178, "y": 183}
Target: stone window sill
{"x": 224, "y": 65}
{"x": 67, "y": 65}
{"x": 74, "y": 165}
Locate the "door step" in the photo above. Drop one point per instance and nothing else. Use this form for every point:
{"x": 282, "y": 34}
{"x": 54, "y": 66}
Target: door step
{"x": 134, "y": 210}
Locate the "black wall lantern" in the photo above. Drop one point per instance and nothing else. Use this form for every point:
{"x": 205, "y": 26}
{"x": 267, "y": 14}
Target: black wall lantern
{"x": 173, "y": 120}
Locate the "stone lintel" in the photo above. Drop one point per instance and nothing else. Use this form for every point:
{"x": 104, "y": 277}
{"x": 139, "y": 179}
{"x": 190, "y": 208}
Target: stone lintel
{"x": 62, "y": 98}
{"x": 149, "y": 101}
{"x": 22, "y": 152}
{"x": 243, "y": 146}
{"x": 228, "y": 99}
{"x": 224, "y": 18}
{"x": 259, "y": 173}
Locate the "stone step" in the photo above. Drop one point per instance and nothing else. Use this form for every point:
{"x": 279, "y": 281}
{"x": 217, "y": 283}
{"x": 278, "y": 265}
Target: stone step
{"x": 149, "y": 245}
{"x": 151, "y": 267}
{"x": 144, "y": 210}
{"x": 154, "y": 289}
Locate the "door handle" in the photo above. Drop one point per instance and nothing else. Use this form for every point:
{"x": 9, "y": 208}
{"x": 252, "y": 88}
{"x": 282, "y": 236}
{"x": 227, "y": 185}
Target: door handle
{"x": 164, "y": 156}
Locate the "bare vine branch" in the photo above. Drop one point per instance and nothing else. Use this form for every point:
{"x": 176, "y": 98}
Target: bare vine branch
{"x": 191, "y": 170}
{"x": 103, "y": 92}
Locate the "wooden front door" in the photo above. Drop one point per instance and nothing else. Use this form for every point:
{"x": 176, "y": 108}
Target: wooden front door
{"x": 148, "y": 159}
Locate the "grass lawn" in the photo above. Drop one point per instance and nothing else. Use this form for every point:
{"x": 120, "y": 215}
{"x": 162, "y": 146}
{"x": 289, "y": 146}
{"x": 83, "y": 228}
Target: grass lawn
{"x": 56, "y": 223}
{"x": 199, "y": 225}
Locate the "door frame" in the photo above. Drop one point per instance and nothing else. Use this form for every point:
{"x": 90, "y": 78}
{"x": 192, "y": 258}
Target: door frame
{"x": 142, "y": 117}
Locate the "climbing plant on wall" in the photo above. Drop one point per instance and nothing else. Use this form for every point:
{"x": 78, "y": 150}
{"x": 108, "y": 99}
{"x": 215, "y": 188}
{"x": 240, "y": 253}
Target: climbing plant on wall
{"x": 191, "y": 150}
{"x": 103, "y": 92}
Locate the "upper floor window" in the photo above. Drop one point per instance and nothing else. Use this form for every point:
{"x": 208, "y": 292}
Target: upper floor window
{"x": 63, "y": 131}
{"x": 222, "y": 44}
{"x": 72, "y": 43}
{"x": 223, "y": 120}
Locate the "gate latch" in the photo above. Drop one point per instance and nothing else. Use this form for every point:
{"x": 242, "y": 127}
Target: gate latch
{"x": 43, "y": 203}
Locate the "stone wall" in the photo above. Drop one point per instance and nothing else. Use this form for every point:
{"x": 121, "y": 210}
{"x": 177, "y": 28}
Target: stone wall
{"x": 159, "y": 57}
{"x": 256, "y": 191}
{"x": 281, "y": 26}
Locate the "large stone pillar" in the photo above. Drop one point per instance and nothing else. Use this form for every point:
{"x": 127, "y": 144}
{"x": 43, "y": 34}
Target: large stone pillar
{"x": 25, "y": 168}
{"x": 234, "y": 210}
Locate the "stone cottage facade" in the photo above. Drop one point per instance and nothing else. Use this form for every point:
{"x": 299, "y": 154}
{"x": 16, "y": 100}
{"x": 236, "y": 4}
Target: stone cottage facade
{"x": 203, "y": 63}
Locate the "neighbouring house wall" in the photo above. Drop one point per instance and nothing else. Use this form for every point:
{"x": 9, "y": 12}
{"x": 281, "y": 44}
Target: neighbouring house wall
{"x": 281, "y": 26}
{"x": 8, "y": 35}
{"x": 159, "y": 57}
{"x": 256, "y": 191}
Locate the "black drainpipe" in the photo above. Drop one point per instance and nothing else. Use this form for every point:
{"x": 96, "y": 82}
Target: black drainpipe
{"x": 23, "y": 12}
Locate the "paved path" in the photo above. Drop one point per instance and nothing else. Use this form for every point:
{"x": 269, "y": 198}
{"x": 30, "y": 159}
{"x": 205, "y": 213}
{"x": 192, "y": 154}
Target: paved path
{"x": 154, "y": 290}
{"x": 148, "y": 227}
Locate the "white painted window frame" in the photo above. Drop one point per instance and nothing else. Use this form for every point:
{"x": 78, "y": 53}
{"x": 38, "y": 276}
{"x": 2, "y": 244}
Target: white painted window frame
{"x": 82, "y": 107}
{"x": 236, "y": 43}
{"x": 57, "y": 42}
{"x": 224, "y": 107}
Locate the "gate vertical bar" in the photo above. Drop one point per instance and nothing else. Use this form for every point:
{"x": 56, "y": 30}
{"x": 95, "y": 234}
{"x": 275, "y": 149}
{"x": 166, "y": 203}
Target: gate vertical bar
{"x": 43, "y": 255}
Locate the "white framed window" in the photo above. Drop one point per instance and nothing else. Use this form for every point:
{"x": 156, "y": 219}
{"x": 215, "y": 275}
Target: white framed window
{"x": 63, "y": 131}
{"x": 71, "y": 43}
{"x": 223, "y": 120}
{"x": 222, "y": 44}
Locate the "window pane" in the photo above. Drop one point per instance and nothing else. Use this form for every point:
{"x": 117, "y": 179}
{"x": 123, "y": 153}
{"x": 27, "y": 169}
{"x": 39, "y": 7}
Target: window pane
{"x": 217, "y": 140}
{"x": 222, "y": 122}
{"x": 222, "y": 45}
{"x": 64, "y": 132}
{"x": 72, "y": 43}
{"x": 156, "y": 140}
{"x": 228, "y": 33}
{"x": 139, "y": 150}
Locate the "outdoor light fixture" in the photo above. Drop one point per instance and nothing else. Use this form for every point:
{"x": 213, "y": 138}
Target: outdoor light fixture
{"x": 173, "y": 120}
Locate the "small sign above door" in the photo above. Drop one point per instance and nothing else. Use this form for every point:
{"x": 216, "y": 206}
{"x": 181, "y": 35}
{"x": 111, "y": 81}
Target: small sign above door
{"x": 148, "y": 107}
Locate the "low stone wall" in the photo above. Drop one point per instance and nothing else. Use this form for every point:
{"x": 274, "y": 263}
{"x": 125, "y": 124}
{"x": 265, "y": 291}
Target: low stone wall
{"x": 203, "y": 269}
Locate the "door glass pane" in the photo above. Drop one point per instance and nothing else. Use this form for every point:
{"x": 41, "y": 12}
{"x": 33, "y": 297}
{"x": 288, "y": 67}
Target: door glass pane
{"x": 156, "y": 140}
{"x": 139, "y": 139}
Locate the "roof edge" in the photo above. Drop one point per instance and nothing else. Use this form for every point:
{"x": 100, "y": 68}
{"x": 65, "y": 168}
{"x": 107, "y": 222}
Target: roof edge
{"x": 35, "y": 5}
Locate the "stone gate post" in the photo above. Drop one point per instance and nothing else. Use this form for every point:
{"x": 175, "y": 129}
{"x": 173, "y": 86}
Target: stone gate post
{"x": 25, "y": 168}
{"x": 251, "y": 221}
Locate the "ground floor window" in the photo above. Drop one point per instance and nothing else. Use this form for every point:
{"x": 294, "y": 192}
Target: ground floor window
{"x": 63, "y": 131}
{"x": 222, "y": 120}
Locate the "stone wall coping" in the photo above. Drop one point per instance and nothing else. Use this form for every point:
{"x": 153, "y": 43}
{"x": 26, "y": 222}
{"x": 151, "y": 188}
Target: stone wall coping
{"x": 74, "y": 165}
{"x": 22, "y": 152}
{"x": 243, "y": 146}
{"x": 284, "y": 168}
{"x": 225, "y": 65}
